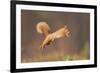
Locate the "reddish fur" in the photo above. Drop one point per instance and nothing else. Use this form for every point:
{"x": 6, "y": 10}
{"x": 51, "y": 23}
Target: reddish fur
{"x": 61, "y": 33}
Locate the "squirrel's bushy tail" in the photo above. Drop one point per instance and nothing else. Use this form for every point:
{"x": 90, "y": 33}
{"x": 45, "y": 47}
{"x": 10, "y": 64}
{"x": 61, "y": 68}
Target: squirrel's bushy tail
{"x": 42, "y": 27}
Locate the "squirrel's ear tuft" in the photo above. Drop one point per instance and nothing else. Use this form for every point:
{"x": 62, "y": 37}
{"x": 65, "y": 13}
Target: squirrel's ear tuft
{"x": 65, "y": 26}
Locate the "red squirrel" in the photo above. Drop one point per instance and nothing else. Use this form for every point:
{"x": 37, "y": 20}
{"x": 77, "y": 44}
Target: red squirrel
{"x": 43, "y": 28}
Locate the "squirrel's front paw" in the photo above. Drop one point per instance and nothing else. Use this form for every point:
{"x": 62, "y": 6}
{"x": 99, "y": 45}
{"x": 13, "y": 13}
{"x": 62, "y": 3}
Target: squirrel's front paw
{"x": 42, "y": 46}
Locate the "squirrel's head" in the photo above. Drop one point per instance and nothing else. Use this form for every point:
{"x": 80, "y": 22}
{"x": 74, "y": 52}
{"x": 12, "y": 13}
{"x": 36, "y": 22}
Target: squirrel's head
{"x": 67, "y": 31}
